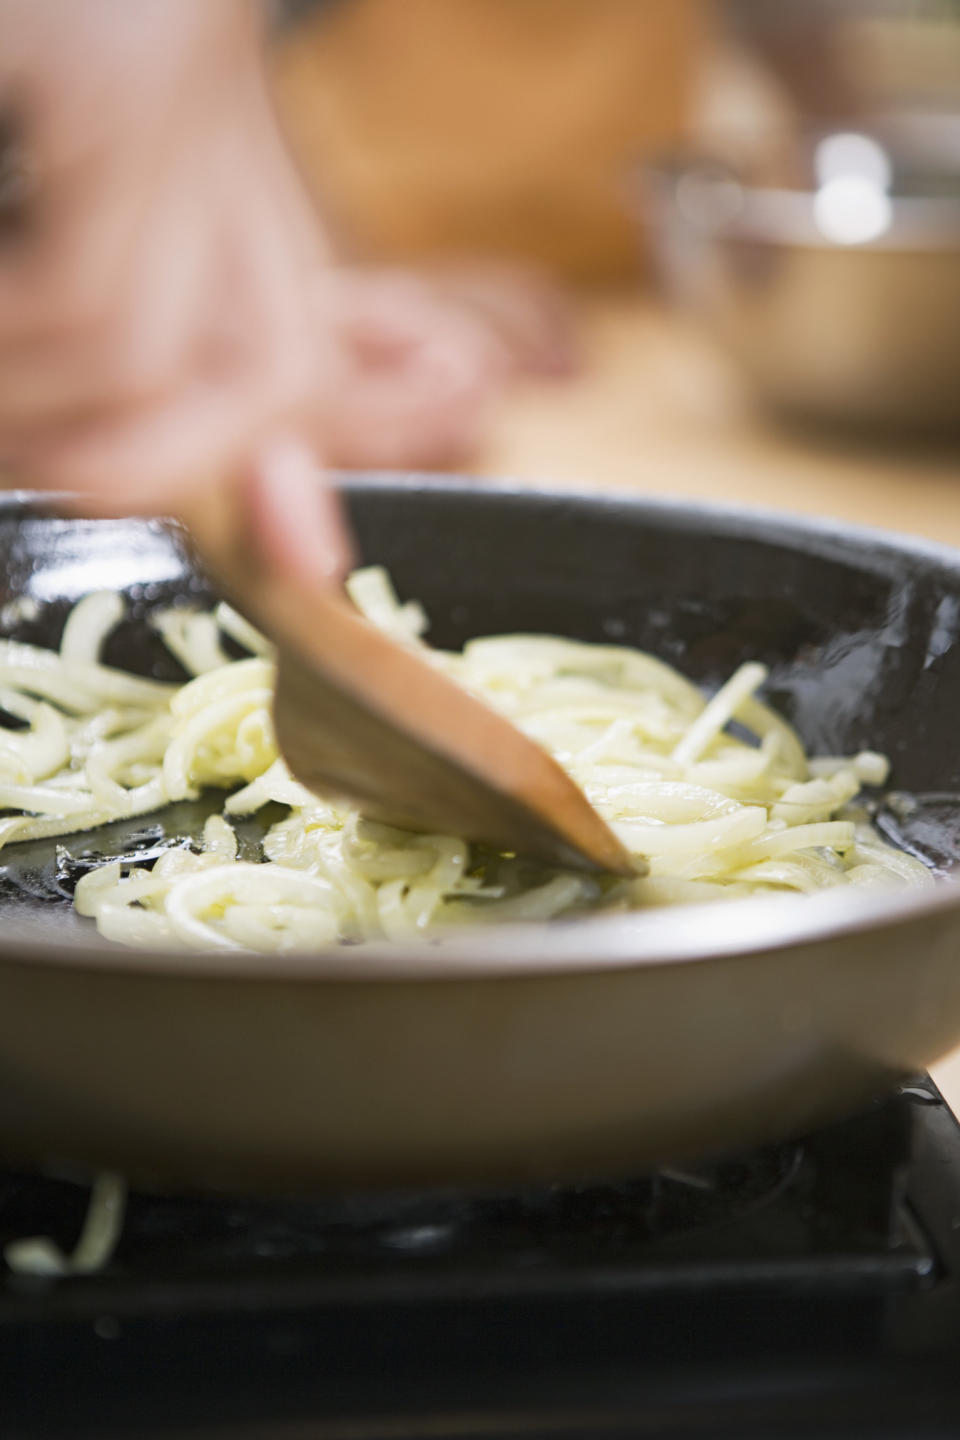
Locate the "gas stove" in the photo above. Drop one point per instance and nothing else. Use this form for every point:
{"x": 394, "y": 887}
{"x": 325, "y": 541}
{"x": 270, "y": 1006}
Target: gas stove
{"x": 809, "y": 1288}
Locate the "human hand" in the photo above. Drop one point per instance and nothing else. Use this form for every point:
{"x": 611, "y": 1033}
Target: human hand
{"x": 420, "y": 359}
{"x": 155, "y": 325}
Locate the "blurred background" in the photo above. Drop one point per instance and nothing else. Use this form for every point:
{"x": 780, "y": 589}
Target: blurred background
{"x": 720, "y": 239}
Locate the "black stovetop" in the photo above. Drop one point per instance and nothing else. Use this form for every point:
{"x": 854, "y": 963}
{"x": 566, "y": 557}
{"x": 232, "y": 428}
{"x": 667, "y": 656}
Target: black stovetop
{"x": 803, "y": 1289}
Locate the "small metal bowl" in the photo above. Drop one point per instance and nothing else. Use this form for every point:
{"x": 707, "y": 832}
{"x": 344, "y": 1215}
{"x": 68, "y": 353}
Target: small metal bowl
{"x": 840, "y": 302}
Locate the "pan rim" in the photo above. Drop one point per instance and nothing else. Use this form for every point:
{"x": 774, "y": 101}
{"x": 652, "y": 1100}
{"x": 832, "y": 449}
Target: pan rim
{"x": 752, "y": 522}
{"x": 581, "y": 948}
{"x": 688, "y": 934}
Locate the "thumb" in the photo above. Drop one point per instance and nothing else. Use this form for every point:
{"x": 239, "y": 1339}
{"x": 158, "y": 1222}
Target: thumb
{"x": 297, "y": 519}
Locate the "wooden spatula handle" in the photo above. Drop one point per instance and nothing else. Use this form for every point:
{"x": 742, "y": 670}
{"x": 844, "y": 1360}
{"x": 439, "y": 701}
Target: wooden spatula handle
{"x": 361, "y": 716}
{"x": 218, "y": 527}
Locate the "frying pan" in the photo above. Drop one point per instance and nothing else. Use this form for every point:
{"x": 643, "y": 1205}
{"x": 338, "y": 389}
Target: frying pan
{"x": 600, "y": 1046}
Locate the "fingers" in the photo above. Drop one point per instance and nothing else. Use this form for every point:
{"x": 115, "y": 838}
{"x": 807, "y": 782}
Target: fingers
{"x": 129, "y": 352}
{"x": 295, "y": 516}
{"x": 205, "y": 348}
{"x": 146, "y": 455}
{"x": 421, "y": 362}
{"x": 154, "y": 323}
{"x": 416, "y": 377}
{"x": 533, "y": 317}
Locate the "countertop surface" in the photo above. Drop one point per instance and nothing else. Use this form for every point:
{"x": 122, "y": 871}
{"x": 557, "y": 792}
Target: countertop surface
{"x": 657, "y": 410}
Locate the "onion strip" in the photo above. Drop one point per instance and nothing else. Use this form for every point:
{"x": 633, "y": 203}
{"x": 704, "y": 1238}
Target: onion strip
{"x": 716, "y": 815}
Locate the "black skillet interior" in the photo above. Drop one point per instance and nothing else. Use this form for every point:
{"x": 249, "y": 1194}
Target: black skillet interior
{"x": 860, "y": 633}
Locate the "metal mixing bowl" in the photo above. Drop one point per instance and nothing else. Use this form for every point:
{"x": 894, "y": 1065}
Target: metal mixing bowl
{"x": 840, "y": 302}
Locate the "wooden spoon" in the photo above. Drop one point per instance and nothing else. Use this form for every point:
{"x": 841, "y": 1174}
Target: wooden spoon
{"x": 361, "y": 716}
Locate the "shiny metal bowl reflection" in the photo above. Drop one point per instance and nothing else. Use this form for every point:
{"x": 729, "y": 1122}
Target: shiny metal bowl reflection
{"x": 840, "y": 304}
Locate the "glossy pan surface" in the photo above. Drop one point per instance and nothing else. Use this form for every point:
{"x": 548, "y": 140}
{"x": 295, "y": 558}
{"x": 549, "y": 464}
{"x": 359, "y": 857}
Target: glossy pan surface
{"x": 599, "y": 1047}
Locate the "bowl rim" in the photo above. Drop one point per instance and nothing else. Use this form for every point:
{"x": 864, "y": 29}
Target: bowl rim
{"x": 591, "y": 945}
{"x": 779, "y": 215}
